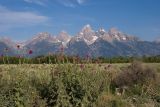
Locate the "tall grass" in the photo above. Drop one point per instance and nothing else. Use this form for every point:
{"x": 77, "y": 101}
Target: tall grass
{"x": 79, "y": 85}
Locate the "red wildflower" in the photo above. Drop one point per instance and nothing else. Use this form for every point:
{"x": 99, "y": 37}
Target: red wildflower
{"x": 30, "y": 52}
{"x": 6, "y": 49}
{"x": 109, "y": 65}
{"x": 81, "y": 66}
{"x": 18, "y": 46}
{"x": 62, "y": 48}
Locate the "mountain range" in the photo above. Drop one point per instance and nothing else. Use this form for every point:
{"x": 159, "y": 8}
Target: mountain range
{"x": 86, "y": 42}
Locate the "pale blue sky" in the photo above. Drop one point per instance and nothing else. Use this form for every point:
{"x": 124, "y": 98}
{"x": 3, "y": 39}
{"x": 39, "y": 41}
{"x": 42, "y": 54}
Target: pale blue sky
{"x": 21, "y": 19}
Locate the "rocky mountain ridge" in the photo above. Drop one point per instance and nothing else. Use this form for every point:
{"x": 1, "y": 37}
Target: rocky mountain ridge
{"x": 87, "y": 41}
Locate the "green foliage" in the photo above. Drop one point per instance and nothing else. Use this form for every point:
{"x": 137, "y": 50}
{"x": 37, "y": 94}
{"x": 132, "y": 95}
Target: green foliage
{"x": 17, "y": 92}
{"x": 135, "y": 74}
{"x": 54, "y": 59}
{"x": 71, "y": 85}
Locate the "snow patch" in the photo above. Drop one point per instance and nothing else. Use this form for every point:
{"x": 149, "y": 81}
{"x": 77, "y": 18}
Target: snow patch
{"x": 91, "y": 41}
{"x": 124, "y": 38}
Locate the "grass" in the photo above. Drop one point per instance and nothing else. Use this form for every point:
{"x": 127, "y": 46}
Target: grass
{"x": 74, "y": 85}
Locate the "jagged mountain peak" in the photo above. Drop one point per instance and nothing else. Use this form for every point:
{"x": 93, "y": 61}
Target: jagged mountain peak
{"x": 7, "y": 41}
{"x": 101, "y": 32}
{"x": 114, "y": 31}
{"x": 86, "y": 29}
{"x": 43, "y": 36}
{"x": 64, "y": 37}
{"x": 115, "y": 34}
{"x": 87, "y": 26}
{"x": 63, "y": 32}
{"x": 99, "y": 43}
{"x": 87, "y": 34}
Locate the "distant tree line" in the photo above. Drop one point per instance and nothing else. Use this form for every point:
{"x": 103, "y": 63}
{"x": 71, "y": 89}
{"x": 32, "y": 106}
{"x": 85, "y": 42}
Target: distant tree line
{"x": 55, "y": 59}
{"x": 122, "y": 59}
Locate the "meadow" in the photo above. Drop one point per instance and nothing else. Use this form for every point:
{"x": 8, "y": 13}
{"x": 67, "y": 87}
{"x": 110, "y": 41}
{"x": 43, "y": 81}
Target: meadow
{"x": 134, "y": 84}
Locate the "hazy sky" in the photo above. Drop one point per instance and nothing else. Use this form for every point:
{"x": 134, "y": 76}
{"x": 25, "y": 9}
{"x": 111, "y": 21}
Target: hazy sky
{"x": 21, "y": 19}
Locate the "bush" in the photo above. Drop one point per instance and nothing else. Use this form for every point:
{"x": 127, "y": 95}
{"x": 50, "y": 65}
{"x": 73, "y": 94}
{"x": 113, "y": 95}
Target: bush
{"x": 135, "y": 74}
{"x": 19, "y": 94}
{"x": 49, "y": 92}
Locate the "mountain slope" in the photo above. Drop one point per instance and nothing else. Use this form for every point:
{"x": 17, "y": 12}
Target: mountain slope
{"x": 63, "y": 37}
{"x": 87, "y": 41}
{"x": 87, "y": 35}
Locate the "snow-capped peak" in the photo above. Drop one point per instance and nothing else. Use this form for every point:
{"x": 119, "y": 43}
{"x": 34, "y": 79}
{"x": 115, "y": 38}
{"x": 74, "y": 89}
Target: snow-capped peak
{"x": 117, "y": 35}
{"x": 114, "y": 34}
{"x": 64, "y": 37}
{"x": 87, "y": 28}
{"x": 43, "y": 36}
{"x": 114, "y": 31}
{"x": 87, "y": 34}
{"x": 7, "y": 41}
{"x": 101, "y": 32}
{"x": 91, "y": 41}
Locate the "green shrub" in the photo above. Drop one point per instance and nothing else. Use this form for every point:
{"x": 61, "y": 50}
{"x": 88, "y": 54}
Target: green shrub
{"x": 135, "y": 74}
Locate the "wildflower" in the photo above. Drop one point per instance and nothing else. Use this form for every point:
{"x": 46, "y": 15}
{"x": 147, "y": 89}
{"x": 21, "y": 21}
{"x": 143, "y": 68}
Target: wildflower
{"x": 18, "y": 46}
{"x": 81, "y": 66}
{"x": 6, "y": 49}
{"x": 61, "y": 48}
{"x": 109, "y": 65}
{"x": 30, "y": 52}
